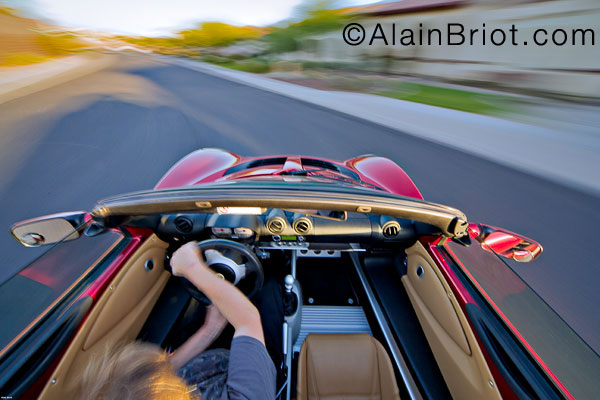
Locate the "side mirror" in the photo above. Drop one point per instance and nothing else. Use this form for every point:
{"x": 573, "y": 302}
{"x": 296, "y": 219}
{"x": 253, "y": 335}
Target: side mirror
{"x": 48, "y": 229}
{"x": 505, "y": 243}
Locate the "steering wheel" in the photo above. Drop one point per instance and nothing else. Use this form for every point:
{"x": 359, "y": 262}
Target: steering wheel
{"x": 231, "y": 261}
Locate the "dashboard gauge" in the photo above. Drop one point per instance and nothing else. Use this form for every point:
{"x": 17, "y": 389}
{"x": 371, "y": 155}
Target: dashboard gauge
{"x": 221, "y": 232}
{"x": 243, "y": 233}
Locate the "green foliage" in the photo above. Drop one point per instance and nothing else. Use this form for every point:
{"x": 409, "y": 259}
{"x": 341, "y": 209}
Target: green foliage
{"x": 152, "y": 42}
{"x": 255, "y": 65}
{"x": 218, "y": 34}
{"x": 456, "y": 99}
{"x": 282, "y": 41}
{"x": 208, "y": 34}
{"x": 310, "y": 65}
{"x": 316, "y": 17}
{"x": 216, "y": 59}
{"x": 286, "y": 39}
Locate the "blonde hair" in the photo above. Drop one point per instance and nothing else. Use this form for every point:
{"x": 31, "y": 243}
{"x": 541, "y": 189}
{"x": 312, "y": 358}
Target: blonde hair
{"x": 130, "y": 372}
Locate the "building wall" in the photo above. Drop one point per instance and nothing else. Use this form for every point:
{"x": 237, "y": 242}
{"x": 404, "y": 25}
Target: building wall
{"x": 571, "y": 70}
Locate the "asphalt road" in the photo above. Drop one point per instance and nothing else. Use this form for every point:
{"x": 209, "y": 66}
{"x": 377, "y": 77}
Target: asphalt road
{"x": 121, "y": 128}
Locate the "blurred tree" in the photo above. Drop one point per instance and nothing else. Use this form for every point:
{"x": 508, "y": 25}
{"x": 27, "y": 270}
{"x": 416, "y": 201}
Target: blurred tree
{"x": 152, "y": 41}
{"x": 313, "y": 17}
{"x": 216, "y": 34}
{"x": 207, "y": 34}
{"x": 57, "y": 43}
{"x": 310, "y": 17}
{"x": 7, "y": 10}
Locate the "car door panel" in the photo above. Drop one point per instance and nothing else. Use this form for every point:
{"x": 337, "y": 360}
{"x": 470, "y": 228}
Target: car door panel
{"x": 434, "y": 299}
{"x": 564, "y": 362}
{"x": 448, "y": 332}
{"x": 129, "y": 292}
{"x": 118, "y": 316}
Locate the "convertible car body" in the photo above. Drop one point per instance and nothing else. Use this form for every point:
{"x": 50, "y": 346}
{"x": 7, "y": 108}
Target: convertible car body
{"x": 359, "y": 257}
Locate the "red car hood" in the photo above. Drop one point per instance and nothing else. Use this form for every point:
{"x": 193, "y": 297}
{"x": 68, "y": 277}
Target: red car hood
{"x": 216, "y": 165}
{"x": 296, "y": 175}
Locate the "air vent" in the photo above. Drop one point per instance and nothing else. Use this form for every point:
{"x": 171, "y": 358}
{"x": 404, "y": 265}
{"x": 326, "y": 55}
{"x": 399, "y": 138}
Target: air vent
{"x": 391, "y": 229}
{"x": 183, "y": 224}
{"x": 302, "y": 225}
{"x": 276, "y": 225}
{"x": 274, "y": 161}
{"x": 311, "y": 162}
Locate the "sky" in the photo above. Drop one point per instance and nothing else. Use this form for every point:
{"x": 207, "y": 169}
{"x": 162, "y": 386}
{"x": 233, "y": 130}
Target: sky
{"x": 159, "y": 17}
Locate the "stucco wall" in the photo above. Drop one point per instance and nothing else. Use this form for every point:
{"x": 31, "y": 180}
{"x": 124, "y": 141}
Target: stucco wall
{"x": 573, "y": 70}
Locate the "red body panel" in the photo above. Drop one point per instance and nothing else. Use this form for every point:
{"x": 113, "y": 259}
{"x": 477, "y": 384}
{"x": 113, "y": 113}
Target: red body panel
{"x": 196, "y": 166}
{"x": 210, "y": 165}
{"x": 385, "y": 174}
{"x": 505, "y": 243}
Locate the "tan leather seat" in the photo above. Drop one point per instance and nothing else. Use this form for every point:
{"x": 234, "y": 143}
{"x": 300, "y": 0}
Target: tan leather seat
{"x": 345, "y": 366}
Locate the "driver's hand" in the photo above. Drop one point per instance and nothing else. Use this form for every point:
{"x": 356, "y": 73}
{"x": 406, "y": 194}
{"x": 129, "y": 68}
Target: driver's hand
{"x": 186, "y": 260}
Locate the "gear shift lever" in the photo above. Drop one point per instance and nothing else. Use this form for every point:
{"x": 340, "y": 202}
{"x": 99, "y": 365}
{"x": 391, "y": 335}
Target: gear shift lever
{"x": 289, "y": 283}
{"x": 290, "y": 300}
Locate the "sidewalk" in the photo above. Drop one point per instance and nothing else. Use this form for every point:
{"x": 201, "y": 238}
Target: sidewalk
{"x": 542, "y": 111}
{"x": 562, "y": 154}
{"x": 16, "y": 82}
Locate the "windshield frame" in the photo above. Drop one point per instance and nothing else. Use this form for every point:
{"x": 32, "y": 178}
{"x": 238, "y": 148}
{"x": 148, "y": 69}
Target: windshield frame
{"x": 284, "y": 195}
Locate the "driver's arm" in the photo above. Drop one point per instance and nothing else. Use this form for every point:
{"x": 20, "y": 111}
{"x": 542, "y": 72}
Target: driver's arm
{"x": 187, "y": 262}
{"x": 214, "y": 323}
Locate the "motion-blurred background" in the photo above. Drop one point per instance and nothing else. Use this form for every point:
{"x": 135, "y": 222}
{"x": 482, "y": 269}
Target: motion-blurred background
{"x": 99, "y": 98}
{"x": 307, "y": 40}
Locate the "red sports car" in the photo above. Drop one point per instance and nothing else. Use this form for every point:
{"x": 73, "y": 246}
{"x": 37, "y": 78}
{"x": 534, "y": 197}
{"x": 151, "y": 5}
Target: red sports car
{"x": 386, "y": 295}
